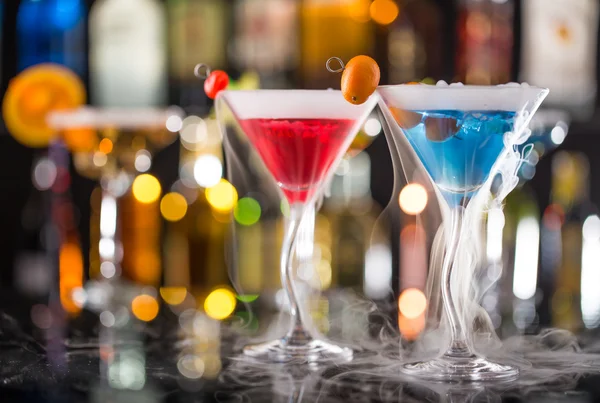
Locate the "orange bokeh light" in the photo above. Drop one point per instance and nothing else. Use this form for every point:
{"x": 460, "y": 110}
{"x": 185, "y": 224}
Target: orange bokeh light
{"x": 384, "y": 12}
{"x": 413, "y": 199}
{"x": 70, "y": 276}
{"x": 144, "y": 307}
{"x": 411, "y": 328}
{"x": 80, "y": 140}
{"x": 105, "y": 146}
{"x": 412, "y": 303}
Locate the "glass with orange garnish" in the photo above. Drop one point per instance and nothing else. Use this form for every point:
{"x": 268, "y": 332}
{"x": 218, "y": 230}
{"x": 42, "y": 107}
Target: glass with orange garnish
{"x": 116, "y": 146}
{"x": 43, "y": 107}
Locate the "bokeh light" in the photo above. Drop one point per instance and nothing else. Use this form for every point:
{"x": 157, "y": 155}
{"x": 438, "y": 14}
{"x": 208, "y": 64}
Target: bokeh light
{"x": 413, "y": 199}
{"x": 144, "y": 307}
{"x": 372, "y": 127}
{"x": 71, "y": 275}
{"x": 107, "y": 248}
{"x": 194, "y": 130}
{"x": 190, "y": 193}
{"x": 212, "y": 365}
{"x": 208, "y": 170}
{"x": 146, "y": 189}
{"x": 105, "y": 146}
{"x": 558, "y": 135}
{"x": 99, "y": 159}
{"x": 143, "y": 161}
{"x": 107, "y": 319}
{"x": 173, "y": 295}
{"x": 44, "y": 174}
{"x": 222, "y": 197}
{"x": 191, "y": 366}
{"x": 411, "y": 328}
{"x": 247, "y": 211}
{"x": 41, "y": 316}
{"x": 173, "y": 206}
{"x": 384, "y": 12}
{"x": 174, "y": 123}
{"x": 220, "y": 303}
{"x": 108, "y": 269}
{"x": 80, "y": 139}
{"x": 591, "y": 228}
{"x": 412, "y": 303}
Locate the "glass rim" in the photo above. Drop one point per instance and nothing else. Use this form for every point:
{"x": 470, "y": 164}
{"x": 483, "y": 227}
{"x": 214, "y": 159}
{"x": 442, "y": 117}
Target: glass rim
{"x": 101, "y": 117}
{"x": 468, "y": 87}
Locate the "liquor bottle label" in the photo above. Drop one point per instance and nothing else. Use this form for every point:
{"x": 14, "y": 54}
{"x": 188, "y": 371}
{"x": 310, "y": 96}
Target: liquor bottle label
{"x": 559, "y": 49}
{"x": 127, "y": 57}
{"x": 266, "y": 32}
{"x": 198, "y": 35}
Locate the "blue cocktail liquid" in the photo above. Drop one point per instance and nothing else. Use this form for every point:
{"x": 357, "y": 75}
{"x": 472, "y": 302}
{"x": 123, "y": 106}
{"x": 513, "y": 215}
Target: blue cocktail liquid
{"x": 458, "y": 148}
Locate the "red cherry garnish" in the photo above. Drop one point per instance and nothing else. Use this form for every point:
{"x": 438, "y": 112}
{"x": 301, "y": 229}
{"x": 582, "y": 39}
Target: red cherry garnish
{"x": 216, "y": 82}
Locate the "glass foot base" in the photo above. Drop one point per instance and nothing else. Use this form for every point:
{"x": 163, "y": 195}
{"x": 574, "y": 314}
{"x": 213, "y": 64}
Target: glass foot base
{"x": 313, "y": 351}
{"x": 470, "y": 369}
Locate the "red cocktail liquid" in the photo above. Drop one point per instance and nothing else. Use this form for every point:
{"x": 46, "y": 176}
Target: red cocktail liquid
{"x": 298, "y": 152}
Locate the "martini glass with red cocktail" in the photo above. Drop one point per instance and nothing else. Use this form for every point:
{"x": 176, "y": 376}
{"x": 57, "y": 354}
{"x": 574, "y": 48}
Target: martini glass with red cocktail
{"x": 300, "y": 136}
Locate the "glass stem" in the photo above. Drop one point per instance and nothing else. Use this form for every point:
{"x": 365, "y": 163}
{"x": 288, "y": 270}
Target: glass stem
{"x": 459, "y": 345}
{"x": 299, "y": 238}
{"x": 109, "y": 226}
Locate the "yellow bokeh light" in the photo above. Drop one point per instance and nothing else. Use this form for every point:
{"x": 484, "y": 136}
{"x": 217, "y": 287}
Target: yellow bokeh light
{"x": 146, "y": 189}
{"x": 173, "y": 295}
{"x": 384, "y": 12}
{"x": 106, "y": 146}
{"x": 222, "y": 197}
{"x": 144, "y": 307}
{"x": 413, "y": 199}
{"x": 220, "y": 303}
{"x": 412, "y": 303}
{"x": 173, "y": 206}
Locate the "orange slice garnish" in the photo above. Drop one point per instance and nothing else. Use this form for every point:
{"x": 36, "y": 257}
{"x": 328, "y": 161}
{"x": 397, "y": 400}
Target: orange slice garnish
{"x": 33, "y": 94}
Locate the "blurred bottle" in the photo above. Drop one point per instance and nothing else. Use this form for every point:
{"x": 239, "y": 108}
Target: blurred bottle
{"x": 415, "y": 43}
{"x": 52, "y": 31}
{"x": 266, "y": 39}
{"x": 351, "y": 252}
{"x": 559, "y": 51}
{"x": 352, "y": 213}
{"x": 339, "y": 28}
{"x": 571, "y": 206}
{"x": 194, "y": 244}
{"x": 140, "y": 240}
{"x": 128, "y": 66}
{"x": 485, "y": 41}
{"x": 512, "y": 251}
{"x": 198, "y": 33}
